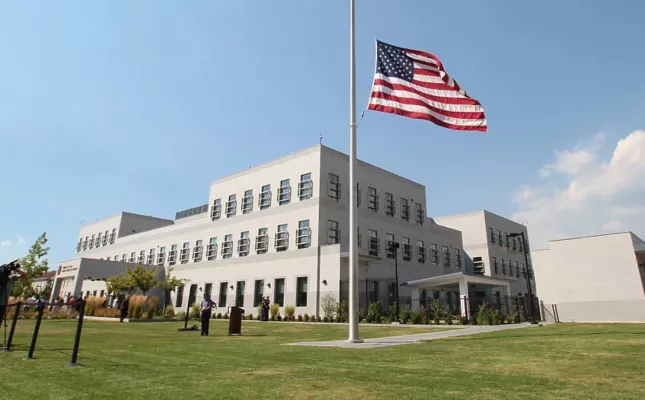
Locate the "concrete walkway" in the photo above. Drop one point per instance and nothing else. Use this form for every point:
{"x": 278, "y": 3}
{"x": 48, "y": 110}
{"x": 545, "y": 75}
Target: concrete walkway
{"x": 409, "y": 339}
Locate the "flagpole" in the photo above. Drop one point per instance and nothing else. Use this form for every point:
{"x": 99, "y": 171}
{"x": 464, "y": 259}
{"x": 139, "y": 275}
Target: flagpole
{"x": 353, "y": 211}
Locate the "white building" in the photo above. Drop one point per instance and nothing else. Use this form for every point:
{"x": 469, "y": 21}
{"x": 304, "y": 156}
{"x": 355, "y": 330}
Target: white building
{"x": 280, "y": 229}
{"x": 593, "y": 279}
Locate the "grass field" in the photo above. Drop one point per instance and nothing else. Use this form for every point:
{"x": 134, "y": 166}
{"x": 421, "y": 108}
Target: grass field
{"x": 154, "y": 361}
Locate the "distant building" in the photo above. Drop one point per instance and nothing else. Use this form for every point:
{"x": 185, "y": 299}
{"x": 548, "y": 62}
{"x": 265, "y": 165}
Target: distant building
{"x": 593, "y": 279}
{"x": 41, "y": 283}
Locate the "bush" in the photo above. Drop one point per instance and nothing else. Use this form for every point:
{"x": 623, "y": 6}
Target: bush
{"x": 374, "y": 313}
{"x": 436, "y": 310}
{"x": 329, "y": 305}
{"x": 219, "y": 315}
{"x": 260, "y": 311}
{"x": 249, "y": 317}
{"x": 415, "y": 317}
{"x": 484, "y": 316}
{"x": 153, "y": 306}
{"x": 274, "y": 310}
{"x": 181, "y": 315}
{"x": 306, "y": 317}
{"x": 226, "y": 316}
{"x": 279, "y": 317}
{"x": 108, "y": 312}
{"x": 194, "y": 311}
{"x": 170, "y": 312}
{"x": 92, "y": 304}
{"x": 289, "y": 312}
{"x": 272, "y": 318}
{"x": 405, "y": 314}
{"x": 299, "y": 317}
{"x": 463, "y": 320}
{"x": 448, "y": 317}
{"x": 326, "y": 319}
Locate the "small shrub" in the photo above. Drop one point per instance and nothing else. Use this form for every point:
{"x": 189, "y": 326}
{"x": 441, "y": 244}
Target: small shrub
{"x": 274, "y": 310}
{"x": 415, "y": 316}
{"x": 289, "y": 312}
{"x": 405, "y": 314}
{"x": 272, "y": 318}
{"x": 219, "y": 315}
{"x": 153, "y": 305}
{"x": 463, "y": 320}
{"x": 279, "y": 317}
{"x": 181, "y": 315}
{"x": 226, "y": 316}
{"x": 383, "y": 320}
{"x": 436, "y": 311}
{"x": 194, "y": 311}
{"x": 374, "y": 313}
{"x": 484, "y": 316}
{"x": 299, "y": 317}
{"x": 448, "y": 318}
{"x": 249, "y": 317}
{"x": 329, "y": 305}
{"x": 326, "y": 319}
{"x": 306, "y": 317}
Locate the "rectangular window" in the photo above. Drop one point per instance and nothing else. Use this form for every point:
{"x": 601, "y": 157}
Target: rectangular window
{"x": 278, "y": 293}
{"x": 211, "y": 251}
{"x": 172, "y": 256}
{"x": 407, "y": 249}
{"x": 98, "y": 240}
{"x": 374, "y": 243}
{"x": 105, "y": 238}
{"x": 389, "y": 239}
{"x": 180, "y": 296}
{"x": 227, "y": 246}
{"x": 446, "y": 256}
{"x": 247, "y": 202}
{"x": 303, "y": 234}
{"x": 510, "y": 268}
{"x": 358, "y": 195}
{"x": 499, "y": 239}
{"x": 503, "y": 263}
{"x": 301, "y": 292}
{"x": 79, "y": 245}
{"x": 223, "y": 290}
{"x": 458, "y": 258}
{"x": 523, "y": 271}
{"x": 520, "y": 245}
{"x": 372, "y": 199}
{"x": 91, "y": 243}
{"x": 508, "y": 240}
{"x": 264, "y": 200}
{"x": 239, "y": 293}
{"x": 85, "y": 243}
{"x": 258, "y": 292}
{"x": 284, "y": 192}
{"x": 216, "y": 209}
{"x": 495, "y": 267}
{"x": 243, "y": 244}
{"x": 161, "y": 256}
{"x": 124, "y": 257}
{"x": 434, "y": 253}
{"x": 208, "y": 289}
{"x": 133, "y": 257}
{"x": 359, "y": 237}
{"x": 491, "y": 232}
{"x": 282, "y": 238}
{"x": 514, "y": 242}
{"x": 305, "y": 187}
{"x": 262, "y": 241}
{"x": 389, "y": 204}
{"x": 231, "y": 206}
{"x": 517, "y": 270}
{"x": 405, "y": 209}
{"x": 421, "y": 250}
{"x": 151, "y": 257}
{"x": 198, "y": 251}
{"x": 420, "y": 213}
{"x": 333, "y": 233}
{"x": 334, "y": 187}
{"x": 185, "y": 253}
{"x": 142, "y": 256}
{"x": 108, "y": 258}
{"x": 113, "y": 236}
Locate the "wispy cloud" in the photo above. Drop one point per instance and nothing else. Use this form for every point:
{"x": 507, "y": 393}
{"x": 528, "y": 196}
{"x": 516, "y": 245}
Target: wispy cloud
{"x": 11, "y": 243}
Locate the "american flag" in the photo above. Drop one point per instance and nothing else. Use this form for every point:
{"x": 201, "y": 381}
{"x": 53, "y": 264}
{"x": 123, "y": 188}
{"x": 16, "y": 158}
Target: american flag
{"x": 414, "y": 84}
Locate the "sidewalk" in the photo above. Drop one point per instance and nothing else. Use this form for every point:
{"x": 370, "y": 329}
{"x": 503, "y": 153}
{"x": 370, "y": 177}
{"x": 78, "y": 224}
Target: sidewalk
{"x": 409, "y": 339}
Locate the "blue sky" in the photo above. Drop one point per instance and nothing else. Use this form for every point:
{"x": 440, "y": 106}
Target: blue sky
{"x": 137, "y": 106}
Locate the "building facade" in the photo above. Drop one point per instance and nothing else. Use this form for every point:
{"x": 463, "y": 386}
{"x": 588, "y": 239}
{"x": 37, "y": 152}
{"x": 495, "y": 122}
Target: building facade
{"x": 279, "y": 229}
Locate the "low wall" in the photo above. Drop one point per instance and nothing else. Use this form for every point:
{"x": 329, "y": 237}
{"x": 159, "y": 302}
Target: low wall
{"x": 598, "y": 311}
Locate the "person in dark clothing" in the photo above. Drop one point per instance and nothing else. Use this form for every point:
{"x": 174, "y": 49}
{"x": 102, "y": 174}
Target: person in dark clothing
{"x": 265, "y": 308}
{"x": 125, "y": 304}
{"x": 206, "y": 310}
{"x": 6, "y": 287}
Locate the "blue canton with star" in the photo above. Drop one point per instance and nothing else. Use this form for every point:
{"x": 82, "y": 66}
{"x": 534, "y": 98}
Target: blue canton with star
{"x": 393, "y": 62}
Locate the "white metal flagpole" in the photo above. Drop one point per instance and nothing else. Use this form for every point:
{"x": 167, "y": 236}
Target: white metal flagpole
{"x": 353, "y": 212}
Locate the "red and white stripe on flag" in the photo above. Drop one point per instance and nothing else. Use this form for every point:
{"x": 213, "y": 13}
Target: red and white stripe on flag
{"x": 414, "y": 84}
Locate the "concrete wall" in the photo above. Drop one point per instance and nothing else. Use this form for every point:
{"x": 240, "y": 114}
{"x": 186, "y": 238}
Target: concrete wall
{"x": 134, "y": 223}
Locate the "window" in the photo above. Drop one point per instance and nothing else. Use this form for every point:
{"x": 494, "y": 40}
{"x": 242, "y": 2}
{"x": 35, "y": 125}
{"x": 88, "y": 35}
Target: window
{"x": 227, "y": 246}
{"x": 446, "y": 256}
{"x": 278, "y": 293}
{"x": 305, "y": 187}
{"x": 105, "y": 238}
{"x": 124, "y": 257}
{"x": 508, "y": 240}
{"x": 405, "y": 209}
{"x": 85, "y": 243}
{"x": 262, "y": 241}
{"x": 510, "y": 268}
{"x": 98, "y": 240}
{"x": 333, "y": 235}
{"x": 282, "y": 238}
{"x": 491, "y": 232}
{"x": 239, "y": 293}
{"x": 231, "y": 206}
{"x": 208, "y": 289}
{"x": 458, "y": 258}
{"x": 198, "y": 251}
{"x": 420, "y": 213}
{"x": 434, "y": 253}
{"x": 523, "y": 271}
{"x": 133, "y": 257}
{"x": 389, "y": 204}
{"x": 478, "y": 266}
{"x": 113, "y": 236}
{"x": 303, "y": 234}
{"x": 151, "y": 257}
{"x": 172, "y": 256}
{"x": 284, "y": 192}
{"x": 499, "y": 239}
{"x": 142, "y": 256}
{"x": 161, "y": 256}
{"x": 372, "y": 199}
{"x": 247, "y": 202}
{"x": 79, "y": 244}
{"x": 374, "y": 243}
{"x": 503, "y": 266}
{"x": 520, "y": 245}
{"x": 216, "y": 209}
{"x": 421, "y": 250}
{"x": 180, "y": 296}
{"x": 389, "y": 239}
{"x": 223, "y": 290}
{"x": 333, "y": 190}
{"x": 514, "y": 243}
{"x": 185, "y": 253}
{"x": 258, "y": 292}
{"x": 264, "y": 201}
{"x": 91, "y": 243}
{"x": 108, "y": 258}
{"x": 495, "y": 268}
{"x": 211, "y": 250}
{"x": 358, "y": 195}
{"x": 407, "y": 249}
{"x": 359, "y": 238}
{"x": 301, "y": 292}
{"x": 517, "y": 270}
{"x": 243, "y": 244}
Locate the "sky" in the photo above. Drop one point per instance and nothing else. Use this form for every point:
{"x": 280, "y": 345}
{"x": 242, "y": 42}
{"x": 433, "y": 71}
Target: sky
{"x": 113, "y": 106}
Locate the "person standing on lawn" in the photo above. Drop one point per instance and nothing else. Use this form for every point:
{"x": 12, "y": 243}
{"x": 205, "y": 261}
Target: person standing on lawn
{"x": 206, "y": 309}
{"x": 125, "y": 304}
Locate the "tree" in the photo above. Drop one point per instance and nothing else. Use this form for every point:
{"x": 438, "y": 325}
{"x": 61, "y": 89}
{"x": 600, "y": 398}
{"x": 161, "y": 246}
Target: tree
{"x": 34, "y": 266}
{"x": 171, "y": 283}
{"x": 116, "y": 284}
{"x": 142, "y": 278}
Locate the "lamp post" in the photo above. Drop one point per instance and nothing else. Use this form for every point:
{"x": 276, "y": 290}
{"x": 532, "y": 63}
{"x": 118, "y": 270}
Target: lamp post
{"x": 393, "y": 248}
{"x": 528, "y": 273}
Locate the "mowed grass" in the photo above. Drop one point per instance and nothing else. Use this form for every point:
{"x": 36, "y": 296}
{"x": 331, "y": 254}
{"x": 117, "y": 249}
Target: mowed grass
{"x": 154, "y": 361}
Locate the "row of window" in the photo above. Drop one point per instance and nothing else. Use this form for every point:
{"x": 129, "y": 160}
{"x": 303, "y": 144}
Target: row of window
{"x": 513, "y": 268}
{"x": 240, "y": 289}
{"x": 504, "y": 240}
{"x": 96, "y": 240}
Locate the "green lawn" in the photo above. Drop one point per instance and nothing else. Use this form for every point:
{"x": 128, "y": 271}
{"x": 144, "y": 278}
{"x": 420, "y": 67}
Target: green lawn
{"x": 154, "y": 361}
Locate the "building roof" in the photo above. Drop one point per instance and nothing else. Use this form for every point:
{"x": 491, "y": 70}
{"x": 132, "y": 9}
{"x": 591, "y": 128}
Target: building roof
{"x": 49, "y": 276}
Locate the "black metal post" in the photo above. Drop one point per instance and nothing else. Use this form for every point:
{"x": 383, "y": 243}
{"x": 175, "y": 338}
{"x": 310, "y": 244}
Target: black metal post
{"x": 32, "y": 347}
{"x": 77, "y": 339}
{"x": 14, "y": 321}
{"x": 528, "y": 278}
{"x": 396, "y": 278}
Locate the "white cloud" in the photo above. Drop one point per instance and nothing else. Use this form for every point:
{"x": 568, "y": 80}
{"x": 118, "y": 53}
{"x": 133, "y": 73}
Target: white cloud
{"x": 598, "y": 196}
{"x": 6, "y": 243}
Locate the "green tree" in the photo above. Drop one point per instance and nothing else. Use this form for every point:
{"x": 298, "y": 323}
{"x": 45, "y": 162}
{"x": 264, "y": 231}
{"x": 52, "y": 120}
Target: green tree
{"x": 142, "y": 278}
{"x": 34, "y": 265}
{"x": 118, "y": 283}
{"x": 168, "y": 285}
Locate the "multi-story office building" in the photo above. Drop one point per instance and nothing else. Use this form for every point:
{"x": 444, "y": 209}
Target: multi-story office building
{"x": 279, "y": 229}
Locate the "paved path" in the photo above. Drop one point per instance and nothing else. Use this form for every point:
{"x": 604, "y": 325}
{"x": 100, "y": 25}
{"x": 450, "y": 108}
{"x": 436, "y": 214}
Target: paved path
{"x": 408, "y": 339}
